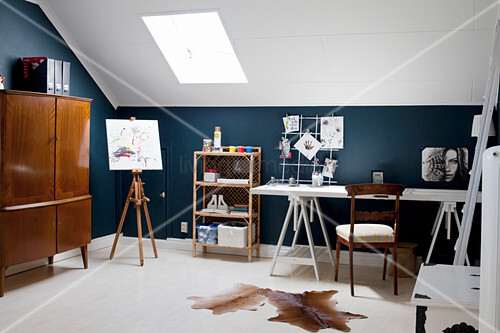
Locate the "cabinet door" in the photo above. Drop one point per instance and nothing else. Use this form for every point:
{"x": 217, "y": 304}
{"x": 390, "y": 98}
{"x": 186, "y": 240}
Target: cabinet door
{"x": 28, "y": 131}
{"x": 73, "y": 225}
{"x": 72, "y": 148}
{"x": 28, "y": 234}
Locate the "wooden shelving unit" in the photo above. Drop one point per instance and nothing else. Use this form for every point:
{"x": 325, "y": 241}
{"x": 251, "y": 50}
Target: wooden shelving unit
{"x": 230, "y": 166}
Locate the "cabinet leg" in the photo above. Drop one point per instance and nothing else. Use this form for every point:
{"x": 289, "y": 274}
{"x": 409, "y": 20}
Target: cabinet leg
{"x": 250, "y": 254}
{"x": 2, "y": 279}
{"x": 85, "y": 257}
{"x": 51, "y": 260}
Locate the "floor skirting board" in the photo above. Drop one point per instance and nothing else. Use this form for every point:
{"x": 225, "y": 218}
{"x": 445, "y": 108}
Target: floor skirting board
{"x": 266, "y": 251}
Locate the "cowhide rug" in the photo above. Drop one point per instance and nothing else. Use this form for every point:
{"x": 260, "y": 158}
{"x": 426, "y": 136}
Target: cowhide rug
{"x": 311, "y": 310}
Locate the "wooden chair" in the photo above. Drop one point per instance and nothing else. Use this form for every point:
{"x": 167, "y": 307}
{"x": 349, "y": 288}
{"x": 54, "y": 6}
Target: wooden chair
{"x": 365, "y": 235}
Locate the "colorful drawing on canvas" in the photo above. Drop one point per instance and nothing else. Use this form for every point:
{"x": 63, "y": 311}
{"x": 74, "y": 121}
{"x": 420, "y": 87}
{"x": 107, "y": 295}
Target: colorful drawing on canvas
{"x": 133, "y": 144}
{"x": 308, "y": 146}
{"x": 332, "y": 132}
{"x": 291, "y": 123}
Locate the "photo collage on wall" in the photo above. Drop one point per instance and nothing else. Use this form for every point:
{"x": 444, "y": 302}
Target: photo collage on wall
{"x": 445, "y": 164}
{"x": 309, "y": 135}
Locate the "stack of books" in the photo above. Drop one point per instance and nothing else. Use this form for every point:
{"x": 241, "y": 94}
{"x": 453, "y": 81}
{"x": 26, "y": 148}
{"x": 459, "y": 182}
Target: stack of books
{"x": 240, "y": 209}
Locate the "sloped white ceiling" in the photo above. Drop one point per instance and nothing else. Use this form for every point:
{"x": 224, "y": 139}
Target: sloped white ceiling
{"x": 293, "y": 52}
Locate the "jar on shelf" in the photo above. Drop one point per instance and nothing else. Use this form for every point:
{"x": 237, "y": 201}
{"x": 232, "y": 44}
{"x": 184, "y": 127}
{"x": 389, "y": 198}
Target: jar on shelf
{"x": 211, "y": 175}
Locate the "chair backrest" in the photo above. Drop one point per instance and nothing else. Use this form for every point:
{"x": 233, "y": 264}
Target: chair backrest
{"x": 375, "y": 189}
{"x": 380, "y": 189}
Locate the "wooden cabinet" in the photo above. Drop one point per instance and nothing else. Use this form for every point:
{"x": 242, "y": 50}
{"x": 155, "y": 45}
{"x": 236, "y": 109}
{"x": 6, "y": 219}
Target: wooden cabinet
{"x": 231, "y": 166}
{"x": 44, "y": 177}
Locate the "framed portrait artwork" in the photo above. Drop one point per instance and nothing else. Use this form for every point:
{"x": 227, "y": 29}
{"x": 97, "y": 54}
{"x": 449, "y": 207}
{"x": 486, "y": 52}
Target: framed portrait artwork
{"x": 445, "y": 164}
{"x": 377, "y": 176}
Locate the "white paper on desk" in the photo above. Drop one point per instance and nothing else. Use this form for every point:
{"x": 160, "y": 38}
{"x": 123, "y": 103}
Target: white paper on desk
{"x": 308, "y": 146}
{"x": 291, "y": 123}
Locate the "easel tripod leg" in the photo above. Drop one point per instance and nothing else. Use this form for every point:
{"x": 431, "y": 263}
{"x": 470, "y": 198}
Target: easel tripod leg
{"x": 150, "y": 229}
{"x": 132, "y": 187}
{"x": 139, "y": 233}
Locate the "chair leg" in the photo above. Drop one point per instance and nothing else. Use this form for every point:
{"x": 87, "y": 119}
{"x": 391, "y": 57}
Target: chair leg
{"x": 385, "y": 263}
{"x": 395, "y": 265}
{"x": 351, "y": 271}
{"x": 337, "y": 258}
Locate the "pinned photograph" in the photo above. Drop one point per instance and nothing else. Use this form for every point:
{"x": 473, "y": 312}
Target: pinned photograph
{"x": 285, "y": 151}
{"x": 332, "y": 132}
{"x": 308, "y": 146}
{"x": 329, "y": 167}
{"x": 445, "y": 164}
{"x": 291, "y": 124}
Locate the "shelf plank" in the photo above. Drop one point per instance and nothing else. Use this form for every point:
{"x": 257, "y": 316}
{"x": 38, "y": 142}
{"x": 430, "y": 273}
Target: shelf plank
{"x": 202, "y": 183}
{"x": 210, "y": 153}
{"x": 246, "y": 216}
{"x": 232, "y": 247}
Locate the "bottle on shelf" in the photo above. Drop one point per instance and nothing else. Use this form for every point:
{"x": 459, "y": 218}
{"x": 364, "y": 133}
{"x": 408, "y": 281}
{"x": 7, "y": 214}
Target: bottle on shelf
{"x": 217, "y": 139}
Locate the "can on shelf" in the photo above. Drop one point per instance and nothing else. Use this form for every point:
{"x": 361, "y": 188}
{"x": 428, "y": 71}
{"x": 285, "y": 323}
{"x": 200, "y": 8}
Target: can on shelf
{"x": 207, "y": 144}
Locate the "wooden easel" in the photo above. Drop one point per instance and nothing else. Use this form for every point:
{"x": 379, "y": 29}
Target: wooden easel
{"x": 139, "y": 200}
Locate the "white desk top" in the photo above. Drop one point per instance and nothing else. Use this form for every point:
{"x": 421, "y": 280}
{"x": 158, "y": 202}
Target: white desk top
{"x": 338, "y": 191}
{"x": 447, "y": 285}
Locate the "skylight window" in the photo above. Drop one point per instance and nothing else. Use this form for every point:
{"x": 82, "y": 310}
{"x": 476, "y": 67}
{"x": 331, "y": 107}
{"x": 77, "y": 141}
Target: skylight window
{"x": 196, "y": 47}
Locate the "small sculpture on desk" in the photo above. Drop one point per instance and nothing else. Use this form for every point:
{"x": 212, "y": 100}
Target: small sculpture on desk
{"x": 273, "y": 181}
{"x": 292, "y": 182}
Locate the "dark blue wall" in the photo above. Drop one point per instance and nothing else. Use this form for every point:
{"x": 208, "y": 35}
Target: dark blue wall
{"x": 376, "y": 138}
{"x": 385, "y": 138}
{"x": 25, "y": 31}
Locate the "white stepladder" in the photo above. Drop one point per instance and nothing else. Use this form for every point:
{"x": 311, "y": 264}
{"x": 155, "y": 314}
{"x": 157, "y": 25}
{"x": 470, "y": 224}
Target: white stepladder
{"x": 490, "y": 100}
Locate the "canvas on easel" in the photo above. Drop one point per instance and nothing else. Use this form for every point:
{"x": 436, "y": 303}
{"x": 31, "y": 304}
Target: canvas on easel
{"x": 134, "y": 145}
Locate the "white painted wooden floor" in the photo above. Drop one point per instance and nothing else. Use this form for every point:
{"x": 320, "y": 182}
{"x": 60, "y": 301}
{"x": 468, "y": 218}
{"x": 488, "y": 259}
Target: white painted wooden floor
{"x": 121, "y": 296}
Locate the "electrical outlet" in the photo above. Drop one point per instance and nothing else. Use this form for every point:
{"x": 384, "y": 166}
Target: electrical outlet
{"x": 184, "y": 227}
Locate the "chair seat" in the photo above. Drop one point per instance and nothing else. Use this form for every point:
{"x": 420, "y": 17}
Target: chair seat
{"x": 367, "y": 233}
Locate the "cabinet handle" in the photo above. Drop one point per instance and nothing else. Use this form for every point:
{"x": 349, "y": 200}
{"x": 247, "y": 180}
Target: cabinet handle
{"x": 55, "y": 138}
{"x": 162, "y": 194}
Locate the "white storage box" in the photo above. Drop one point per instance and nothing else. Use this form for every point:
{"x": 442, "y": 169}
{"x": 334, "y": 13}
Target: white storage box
{"x": 235, "y": 234}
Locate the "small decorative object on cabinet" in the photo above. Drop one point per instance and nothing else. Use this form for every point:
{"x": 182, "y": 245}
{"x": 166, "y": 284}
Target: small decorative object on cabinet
{"x": 241, "y": 172}
{"x": 44, "y": 179}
